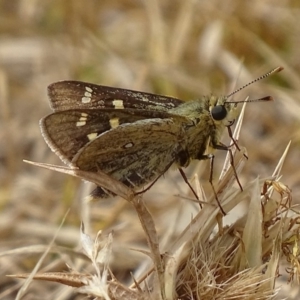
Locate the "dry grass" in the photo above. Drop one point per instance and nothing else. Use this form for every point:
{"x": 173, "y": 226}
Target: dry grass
{"x": 179, "y": 48}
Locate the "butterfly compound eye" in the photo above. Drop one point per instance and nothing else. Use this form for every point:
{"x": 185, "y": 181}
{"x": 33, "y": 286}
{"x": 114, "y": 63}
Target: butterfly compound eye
{"x": 218, "y": 112}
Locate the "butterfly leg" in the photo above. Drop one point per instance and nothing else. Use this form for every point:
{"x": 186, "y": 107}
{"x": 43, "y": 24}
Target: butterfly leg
{"x": 187, "y": 182}
{"x": 234, "y": 170}
{"x": 233, "y": 140}
{"x": 223, "y": 147}
{"x": 211, "y": 157}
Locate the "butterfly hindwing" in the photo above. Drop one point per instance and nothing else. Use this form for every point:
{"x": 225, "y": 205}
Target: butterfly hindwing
{"x": 131, "y": 160}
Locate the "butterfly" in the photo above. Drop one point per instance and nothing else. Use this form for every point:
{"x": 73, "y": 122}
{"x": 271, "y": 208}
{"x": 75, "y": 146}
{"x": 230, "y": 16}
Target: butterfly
{"x": 130, "y": 135}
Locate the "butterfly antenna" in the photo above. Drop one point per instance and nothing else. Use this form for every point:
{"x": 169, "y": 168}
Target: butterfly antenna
{"x": 278, "y": 69}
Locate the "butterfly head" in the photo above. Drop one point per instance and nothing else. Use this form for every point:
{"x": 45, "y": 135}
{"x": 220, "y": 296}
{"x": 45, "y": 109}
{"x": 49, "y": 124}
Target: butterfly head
{"x": 222, "y": 112}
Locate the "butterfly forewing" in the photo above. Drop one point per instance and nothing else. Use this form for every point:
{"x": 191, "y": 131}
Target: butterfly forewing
{"x": 66, "y": 132}
{"x": 65, "y": 95}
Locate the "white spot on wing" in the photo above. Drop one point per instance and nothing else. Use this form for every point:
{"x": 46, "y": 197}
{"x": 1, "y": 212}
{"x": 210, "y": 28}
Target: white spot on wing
{"x": 92, "y": 136}
{"x": 128, "y": 145}
{"x": 118, "y": 104}
{"x": 88, "y": 89}
{"x": 87, "y": 95}
{"x": 80, "y": 123}
{"x": 114, "y": 122}
{"x": 82, "y": 120}
{"x": 85, "y": 99}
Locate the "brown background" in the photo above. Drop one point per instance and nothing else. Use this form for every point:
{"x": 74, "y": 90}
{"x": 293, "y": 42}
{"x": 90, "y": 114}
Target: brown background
{"x": 179, "y": 48}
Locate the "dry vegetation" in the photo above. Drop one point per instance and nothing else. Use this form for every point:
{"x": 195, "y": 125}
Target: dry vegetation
{"x": 160, "y": 245}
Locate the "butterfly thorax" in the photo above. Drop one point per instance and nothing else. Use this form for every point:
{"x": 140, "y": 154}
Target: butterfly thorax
{"x": 202, "y": 131}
